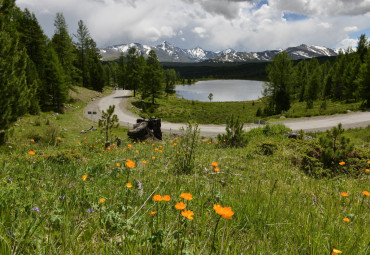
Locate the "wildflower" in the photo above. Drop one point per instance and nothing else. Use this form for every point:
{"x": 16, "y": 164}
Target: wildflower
{"x": 174, "y": 144}
{"x": 186, "y": 196}
{"x": 129, "y": 145}
{"x": 156, "y": 149}
{"x": 36, "y": 209}
{"x": 187, "y": 214}
{"x": 152, "y": 213}
{"x": 346, "y": 219}
{"x": 344, "y": 194}
{"x": 84, "y": 177}
{"x": 62, "y": 197}
{"x": 143, "y": 142}
{"x": 130, "y": 163}
{"x": 180, "y": 206}
{"x": 342, "y": 163}
{"x": 32, "y": 140}
{"x": 59, "y": 138}
{"x": 166, "y": 198}
{"x": 367, "y": 170}
{"x": 137, "y": 151}
{"x": 160, "y": 151}
{"x": 153, "y": 157}
{"x": 225, "y": 212}
{"x": 91, "y": 210}
{"x": 144, "y": 162}
{"x": 117, "y": 165}
{"x": 10, "y": 179}
{"x": 101, "y": 200}
{"x": 366, "y": 193}
{"x": 368, "y": 162}
{"x": 335, "y": 251}
{"x": 157, "y": 198}
{"x": 85, "y": 137}
{"x": 214, "y": 164}
{"x": 216, "y": 169}
{"x": 79, "y": 143}
{"x": 129, "y": 185}
{"x": 31, "y": 153}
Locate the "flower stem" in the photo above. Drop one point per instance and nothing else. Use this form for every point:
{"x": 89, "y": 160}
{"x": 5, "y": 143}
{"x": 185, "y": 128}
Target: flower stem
{"x": 213, "y": 248}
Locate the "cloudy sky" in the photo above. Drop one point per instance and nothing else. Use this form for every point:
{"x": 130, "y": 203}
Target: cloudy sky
{"x": 245, "y": 25}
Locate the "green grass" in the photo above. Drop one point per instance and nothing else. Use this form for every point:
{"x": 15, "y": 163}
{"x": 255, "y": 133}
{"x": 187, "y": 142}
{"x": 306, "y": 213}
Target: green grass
{"x": 179, "y": 110}
{"x": 278, "y": 209}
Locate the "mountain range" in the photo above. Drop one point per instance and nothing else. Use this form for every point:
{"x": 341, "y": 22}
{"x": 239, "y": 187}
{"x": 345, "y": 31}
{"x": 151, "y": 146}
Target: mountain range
{"x": 166, "y": 52}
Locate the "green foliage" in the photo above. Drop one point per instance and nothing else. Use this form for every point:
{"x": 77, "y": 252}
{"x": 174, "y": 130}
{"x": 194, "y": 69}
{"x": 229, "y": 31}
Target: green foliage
{"x": 152, "y": 78}
{"x": 170, "y": 78}
{"x": 108, "y": 121}
{"x": 235, "y": 135}
{"x": 335, "y": 147}
{"x": 187, "y": 150}
{"x": 135, "y": 70}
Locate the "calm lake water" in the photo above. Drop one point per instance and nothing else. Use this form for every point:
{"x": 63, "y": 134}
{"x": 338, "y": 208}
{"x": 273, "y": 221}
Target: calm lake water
{"x": 222, "y": 90}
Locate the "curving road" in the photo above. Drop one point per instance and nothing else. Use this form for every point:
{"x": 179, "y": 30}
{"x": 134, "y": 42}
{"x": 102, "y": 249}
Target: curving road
{"x": 128, "y": 119}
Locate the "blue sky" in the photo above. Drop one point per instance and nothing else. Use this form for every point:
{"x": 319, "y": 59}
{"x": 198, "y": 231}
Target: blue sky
{"x": 245, "y": 25}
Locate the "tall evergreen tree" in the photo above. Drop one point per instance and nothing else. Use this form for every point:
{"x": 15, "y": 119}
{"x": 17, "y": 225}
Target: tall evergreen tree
{"x": 153, "y": 77}
{"x": 364, "y": 80}
{"x": 362, "y": 47}
{"x": 62, "y": 43}
{"x": 280, "y": 74}
{"x": 82, "y": 44}
{"x": 13, "y": 62}
{"x": 135, "y": 69}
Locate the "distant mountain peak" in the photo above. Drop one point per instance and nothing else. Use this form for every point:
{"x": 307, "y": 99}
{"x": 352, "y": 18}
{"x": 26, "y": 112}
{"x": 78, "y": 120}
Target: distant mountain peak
{"x": 167, "y": 52}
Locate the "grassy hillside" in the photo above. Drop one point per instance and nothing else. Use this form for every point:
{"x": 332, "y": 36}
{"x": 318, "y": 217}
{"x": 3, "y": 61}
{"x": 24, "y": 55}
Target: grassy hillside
{"x": 71, "y": 196}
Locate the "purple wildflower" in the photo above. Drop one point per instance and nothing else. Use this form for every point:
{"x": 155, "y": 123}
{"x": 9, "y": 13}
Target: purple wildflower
{"x": 36, "y": 208}
{"x": 10, "y": 179}
{"x": 91, "y": 210}
{"x": 62, "y": 197}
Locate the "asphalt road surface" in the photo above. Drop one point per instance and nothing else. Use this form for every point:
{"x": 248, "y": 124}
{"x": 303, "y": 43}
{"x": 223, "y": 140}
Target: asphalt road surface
{"x": 128, "y": 119}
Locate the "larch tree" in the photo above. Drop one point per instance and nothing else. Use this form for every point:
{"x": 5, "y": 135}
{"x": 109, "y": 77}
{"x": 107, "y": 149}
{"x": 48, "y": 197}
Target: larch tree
{"x": 153, "y": 77}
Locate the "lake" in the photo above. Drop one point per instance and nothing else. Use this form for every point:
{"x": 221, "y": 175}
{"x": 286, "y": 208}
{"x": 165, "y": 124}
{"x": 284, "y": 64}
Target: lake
{"x": 222, "y": 90}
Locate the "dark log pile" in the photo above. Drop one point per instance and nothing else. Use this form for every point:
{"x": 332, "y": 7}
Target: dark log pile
{"x": 145, "y": 129}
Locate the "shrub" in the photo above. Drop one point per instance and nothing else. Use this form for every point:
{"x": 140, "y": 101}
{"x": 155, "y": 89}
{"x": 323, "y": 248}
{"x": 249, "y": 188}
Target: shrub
{"x": 235, "y": 135}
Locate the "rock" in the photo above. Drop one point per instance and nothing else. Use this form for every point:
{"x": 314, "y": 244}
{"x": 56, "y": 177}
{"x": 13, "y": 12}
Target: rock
{"x": 145, "y": 129}
{"x": 83, "y": 131}
{"x": 349, "y": 111}
{"x": 282, "y": 117}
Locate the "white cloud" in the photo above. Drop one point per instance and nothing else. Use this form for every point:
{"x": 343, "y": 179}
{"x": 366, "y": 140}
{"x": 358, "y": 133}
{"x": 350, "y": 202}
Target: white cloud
{"x": 211, "y": 24}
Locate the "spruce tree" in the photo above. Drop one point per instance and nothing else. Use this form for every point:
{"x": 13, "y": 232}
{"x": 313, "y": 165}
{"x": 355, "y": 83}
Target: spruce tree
{"x": 153, "y": 77}
{"x": 82, "y": 44}
{"x": 364, "y": 81}
{"x": 362, "y": 47}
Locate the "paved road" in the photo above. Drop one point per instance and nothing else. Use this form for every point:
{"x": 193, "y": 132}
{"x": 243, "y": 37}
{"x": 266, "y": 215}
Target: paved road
{"x": 128, "y": 119}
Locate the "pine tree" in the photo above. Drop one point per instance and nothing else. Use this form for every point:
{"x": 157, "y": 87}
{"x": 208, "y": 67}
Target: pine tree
{"x": 170, "y": 77}
{"x": 153, "y": 77}
{"x": 83, "y": 37}
{"x": 362, "y": 47}
{"x": 13, "y": 62}
{"x": 62, "y": 43}
{"x": 135, "y": 69}
{"x": 363, "y": 80}
{"x": 280, "y": 74}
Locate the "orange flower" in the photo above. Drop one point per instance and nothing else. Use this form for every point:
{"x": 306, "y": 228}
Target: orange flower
{"x": 335, "y": 251}
{"x": 129, "y": 185}
{"x": 160, "y": 151}
{"x": 130, "y": 163}
{"x": 144, "y": 161}
{"x": 346, "y": 220}
{"x": 166, "y": 198}
{"x": 368, "y": 162}
{"x": 156, "y": 149}
{"x": 214, "y": 164}
{"x": 129, "y": 145}
{"x": 31, "y": 152}
{"x": 117, "y": 165}
{"x": 84, "y": 177}
{"x": 225, "y": 212}
{"x": 101, "y": 200}
{"x": 32, "y": 140}
{"x": 174, "y": 144}
{"x": 187, "y": 214}
{"x": 366, "y": 193}
{"x": 342, "y": 163}
{"x": 344, "y": 194}
{"x": 59, "y": 138}
{"x": 152, "y": 213}
{"x": 137, "y": 151}
{"x": 153, "y": 157}
{"x": 180, "y": 206}
{"x": 143, "y": 142}
{"x": 186, "y": 196}
{"x": 367, "y": 170}
{"x": 216, "y": 169}
{"x": 86, "y": 138}
{"x": 157, "y": 198}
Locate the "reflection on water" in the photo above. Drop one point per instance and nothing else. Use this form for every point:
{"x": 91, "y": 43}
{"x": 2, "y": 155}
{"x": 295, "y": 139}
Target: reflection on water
{"x": 222, "y": 90}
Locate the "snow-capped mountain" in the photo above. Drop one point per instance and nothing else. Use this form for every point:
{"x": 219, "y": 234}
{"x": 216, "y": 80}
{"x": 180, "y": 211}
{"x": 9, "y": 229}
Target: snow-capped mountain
{"x": 166, "y": 52}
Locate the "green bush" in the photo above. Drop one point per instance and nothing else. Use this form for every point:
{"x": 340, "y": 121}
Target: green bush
{"x": 235, "y": 135}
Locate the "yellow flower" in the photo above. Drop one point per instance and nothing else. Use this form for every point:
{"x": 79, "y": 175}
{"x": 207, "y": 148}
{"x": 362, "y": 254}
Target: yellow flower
{"x": 225, "y": 212}
{"x": 31, "y": 152}
{"x": 153, "y": 157}
{"x": 152, "y": 213}
{"x": 335, "y": 251}
{"x": 366, "y": 193}
{"x": 216, "y": 169}
{"x": 344, "y": 194}
{"x": 368, "y": 162}
{"x": 346, "y": 219}
{"x": 101, "y": 200}
{"x": 143, "y": 142}
{"x": 186, "y": 196}
{"x": 129, "y": 185}
{"x": 214, "y": 164}
{"x": 187, "y": 214}
{"x": 157, "y": 198}
{"x": 117, "y": 165}
{"x": 59, "y": 138}
{"x": 367, "y": 170}
{"x": 342, "y": 163}
{"x": 180, "y": 206}
{"x": 166, "y": 198}
{"x": 84, "y": 177}
{"x": 130, "y": 163}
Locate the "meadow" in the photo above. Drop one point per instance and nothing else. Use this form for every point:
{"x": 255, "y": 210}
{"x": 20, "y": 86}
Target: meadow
{"x": 64, "y": 192}
{"x": 179, "y": 110}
